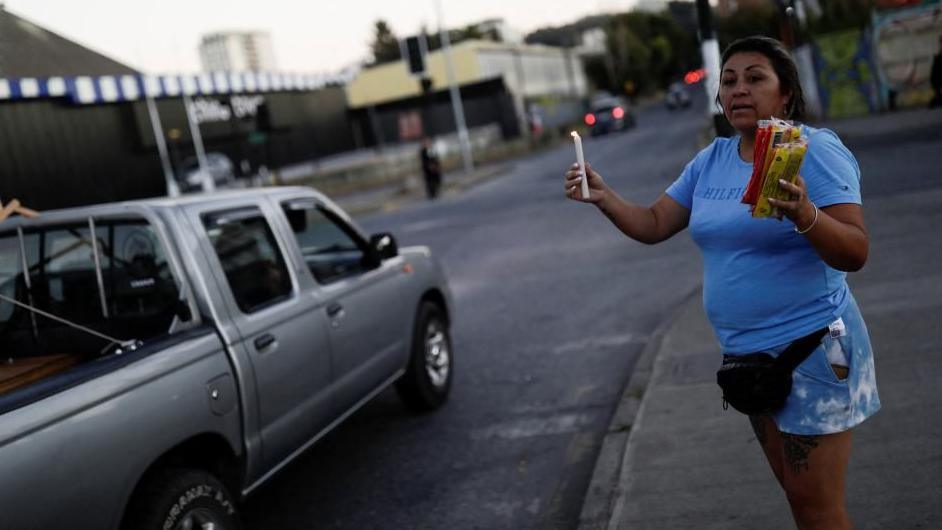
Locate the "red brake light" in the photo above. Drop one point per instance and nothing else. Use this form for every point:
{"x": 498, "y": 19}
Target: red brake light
{"x": 694, "y": 75}
{"x": 590, "y": 119}
{"x": 618, "y": 113}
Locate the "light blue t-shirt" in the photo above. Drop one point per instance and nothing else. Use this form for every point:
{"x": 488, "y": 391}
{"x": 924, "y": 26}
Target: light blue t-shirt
{"x": 763, "y": 284}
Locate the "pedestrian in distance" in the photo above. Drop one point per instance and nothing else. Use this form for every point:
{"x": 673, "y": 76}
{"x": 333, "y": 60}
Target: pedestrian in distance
{"x": 768, "y": 284}
{"x": 935, "y": 78}
{"x": 431, "y": 169}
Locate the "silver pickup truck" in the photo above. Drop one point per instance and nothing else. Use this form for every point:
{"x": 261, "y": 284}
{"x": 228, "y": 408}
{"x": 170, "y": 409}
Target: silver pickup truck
{"x": 161, "y": 359}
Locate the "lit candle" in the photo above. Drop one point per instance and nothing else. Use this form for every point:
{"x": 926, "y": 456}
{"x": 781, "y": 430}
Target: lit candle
{"x": 581, "y": 159}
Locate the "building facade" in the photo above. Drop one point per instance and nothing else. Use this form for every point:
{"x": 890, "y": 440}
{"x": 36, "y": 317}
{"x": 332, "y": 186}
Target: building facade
{"x": 503, "y": 85}
{"x": 237, "y": 51}
{"x": 77, "y": 127}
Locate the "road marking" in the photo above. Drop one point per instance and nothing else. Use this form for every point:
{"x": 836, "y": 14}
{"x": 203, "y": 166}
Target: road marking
{"x": 593, "y": 343}
{"x": 508, "y": 509}
{"x": 419, "y": 226}
{"x": 530, "y": 427}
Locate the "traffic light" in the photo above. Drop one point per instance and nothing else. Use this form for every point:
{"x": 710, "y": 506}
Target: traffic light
{"x": 426, "y": 83}
{"x": 414, "y": 50}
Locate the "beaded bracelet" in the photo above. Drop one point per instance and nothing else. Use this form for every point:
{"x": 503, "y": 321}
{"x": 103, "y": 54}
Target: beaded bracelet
{"x": 813, "y": 221}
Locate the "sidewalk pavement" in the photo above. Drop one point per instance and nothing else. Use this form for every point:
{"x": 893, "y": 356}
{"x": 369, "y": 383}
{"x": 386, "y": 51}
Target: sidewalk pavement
{"x": 412, "y": 190}
{"x": 674, "y": 459}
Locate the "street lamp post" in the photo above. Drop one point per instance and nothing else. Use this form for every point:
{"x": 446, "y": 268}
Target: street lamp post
{"x": 710, "y": 50}
{"x": 173, "y": 190}
{"x": 208, "y": 183}
{"x": 456, "y": 105}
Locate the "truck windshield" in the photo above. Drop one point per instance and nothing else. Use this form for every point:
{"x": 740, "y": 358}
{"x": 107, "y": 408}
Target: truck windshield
{"x": 54, "y": 269}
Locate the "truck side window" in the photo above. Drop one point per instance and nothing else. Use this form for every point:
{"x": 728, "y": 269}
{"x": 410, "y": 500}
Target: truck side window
{"x": 251, "y": 260}
{"x": 329, "y": 250}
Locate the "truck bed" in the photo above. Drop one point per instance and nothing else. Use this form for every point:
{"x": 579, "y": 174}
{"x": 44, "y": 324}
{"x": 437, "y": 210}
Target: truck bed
{"x": 19, "y": 372}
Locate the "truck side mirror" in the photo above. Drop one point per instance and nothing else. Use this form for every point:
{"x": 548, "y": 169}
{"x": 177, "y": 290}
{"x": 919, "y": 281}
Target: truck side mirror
{"x": 182, "y": 310}
{"x": 383, "y": 246}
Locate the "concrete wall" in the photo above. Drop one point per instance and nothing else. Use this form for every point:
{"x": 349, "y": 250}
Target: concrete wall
{"x": 904, "y": 43}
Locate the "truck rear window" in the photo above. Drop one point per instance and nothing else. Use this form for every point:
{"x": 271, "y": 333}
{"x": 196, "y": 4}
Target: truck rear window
{"x": 53, "y": 269}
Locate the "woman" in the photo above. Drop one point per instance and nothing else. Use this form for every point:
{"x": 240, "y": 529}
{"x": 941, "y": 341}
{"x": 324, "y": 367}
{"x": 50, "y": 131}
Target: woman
{"x": 768, "y": 283}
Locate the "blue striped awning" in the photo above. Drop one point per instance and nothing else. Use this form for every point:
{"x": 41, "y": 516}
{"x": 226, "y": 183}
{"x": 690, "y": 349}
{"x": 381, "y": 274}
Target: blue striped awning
{"x": 87, "y": 90}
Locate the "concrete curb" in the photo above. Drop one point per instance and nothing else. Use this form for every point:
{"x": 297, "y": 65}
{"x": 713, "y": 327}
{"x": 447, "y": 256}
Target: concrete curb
{"x": 598, "y": 507}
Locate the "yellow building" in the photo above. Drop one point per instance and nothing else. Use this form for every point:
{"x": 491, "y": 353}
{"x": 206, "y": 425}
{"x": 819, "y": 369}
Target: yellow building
{"x": 505, "y": 88}
{"x": 528, "y": 71}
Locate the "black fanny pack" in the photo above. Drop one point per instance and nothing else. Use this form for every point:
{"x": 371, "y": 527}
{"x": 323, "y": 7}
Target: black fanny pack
{"x": 758, "y": 383}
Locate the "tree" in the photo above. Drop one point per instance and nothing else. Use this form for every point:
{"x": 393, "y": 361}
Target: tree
{"x": 569, "y": 34}
{"x": 648, "y": 49}
{"x": 385, "y": 45}
{"x": 434, "y": 40}
{"x": 761, "y": 19}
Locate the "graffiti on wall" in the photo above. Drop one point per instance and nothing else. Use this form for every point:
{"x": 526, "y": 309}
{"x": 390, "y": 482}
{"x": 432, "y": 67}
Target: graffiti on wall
{"x": 905, "y": 41}
{"x": 846, "y": 80}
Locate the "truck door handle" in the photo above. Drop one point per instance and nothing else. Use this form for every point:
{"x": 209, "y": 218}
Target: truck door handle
{"x": 264, "y": 341}
{"x": 334, "y": 309}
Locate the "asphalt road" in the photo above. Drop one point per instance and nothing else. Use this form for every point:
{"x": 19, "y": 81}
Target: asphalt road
{"x": 553, "y": 306}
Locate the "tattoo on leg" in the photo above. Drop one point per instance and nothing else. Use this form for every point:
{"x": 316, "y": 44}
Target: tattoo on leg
{"x": 797, "y": 447}
{"x": 758, "y": 427}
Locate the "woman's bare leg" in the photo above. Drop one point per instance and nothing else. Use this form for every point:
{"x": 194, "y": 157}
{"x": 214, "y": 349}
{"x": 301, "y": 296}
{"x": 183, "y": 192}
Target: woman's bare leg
{"x": 812, "y": 471}
{"x": 768, "y": 437}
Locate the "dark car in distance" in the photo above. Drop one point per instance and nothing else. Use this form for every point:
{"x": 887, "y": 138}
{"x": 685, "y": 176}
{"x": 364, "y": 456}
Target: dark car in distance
{"x": 608, "y": 114}
{"x": 677, "y": 97}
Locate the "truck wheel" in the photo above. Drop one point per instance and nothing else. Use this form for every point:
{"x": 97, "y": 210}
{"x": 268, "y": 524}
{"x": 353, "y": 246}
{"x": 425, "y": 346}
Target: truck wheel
{"x": 182, "y": 499}
{"x": 427, "y": 380}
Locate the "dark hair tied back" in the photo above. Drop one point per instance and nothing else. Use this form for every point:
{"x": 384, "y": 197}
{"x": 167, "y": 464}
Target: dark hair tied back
{"x": 782, "y": 63}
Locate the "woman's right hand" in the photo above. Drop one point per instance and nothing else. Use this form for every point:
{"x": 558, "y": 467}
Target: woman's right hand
{"x": 597, "y": 187}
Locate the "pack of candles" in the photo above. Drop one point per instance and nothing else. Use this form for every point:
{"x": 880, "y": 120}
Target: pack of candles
{"x": 779, "y": 150}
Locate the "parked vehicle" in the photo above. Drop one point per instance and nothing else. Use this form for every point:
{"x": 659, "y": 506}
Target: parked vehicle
{"x": 182, "y": 351}
{"x": 608, "y": 114}
{"x": 218, "y": 165}
{"x": 677, "y": 96}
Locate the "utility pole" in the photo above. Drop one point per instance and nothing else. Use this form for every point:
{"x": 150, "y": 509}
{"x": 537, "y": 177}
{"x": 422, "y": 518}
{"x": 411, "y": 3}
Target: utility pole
{"x": 710, "y": 50}
{"x": 456, "y": 105}
{"x": 208, "y": 183}
{"x": 173, "y": 190}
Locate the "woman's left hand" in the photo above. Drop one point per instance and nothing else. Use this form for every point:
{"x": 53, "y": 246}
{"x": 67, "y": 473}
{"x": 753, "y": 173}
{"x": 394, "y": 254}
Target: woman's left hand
{"x": 799, "y": 209}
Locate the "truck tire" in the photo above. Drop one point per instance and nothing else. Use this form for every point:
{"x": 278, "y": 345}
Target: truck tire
{"x": 427, "y": 381}
{"x": 176, "y": 499}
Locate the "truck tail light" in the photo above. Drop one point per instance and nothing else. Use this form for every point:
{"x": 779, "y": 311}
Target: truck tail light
{"x": 590, "y": 119}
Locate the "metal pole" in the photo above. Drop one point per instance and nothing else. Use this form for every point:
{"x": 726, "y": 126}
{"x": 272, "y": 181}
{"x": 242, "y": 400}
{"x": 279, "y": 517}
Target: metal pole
{"x": 208, "y": 183}
{"x": 523, "y": 112}
{"x": 570, "y": 73}
{"x": 101, "y": 281}
{"x": 69, "y": 323}
{"x": 710, "y": 50}
{"x": 173, "y": 189}
{"x": 26, "y": 279}
{"x": 455, "y": 93}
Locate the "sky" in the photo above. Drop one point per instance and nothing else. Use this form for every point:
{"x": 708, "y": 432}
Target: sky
{"x": 308, "y": 36}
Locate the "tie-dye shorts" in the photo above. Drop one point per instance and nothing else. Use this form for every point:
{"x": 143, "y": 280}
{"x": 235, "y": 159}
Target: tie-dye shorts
{"x": 822, "y": 403}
